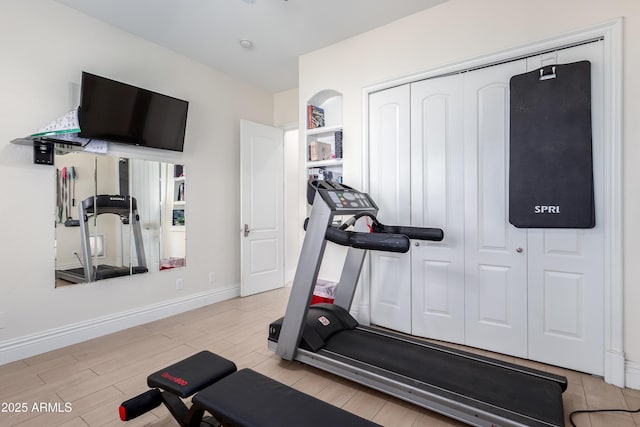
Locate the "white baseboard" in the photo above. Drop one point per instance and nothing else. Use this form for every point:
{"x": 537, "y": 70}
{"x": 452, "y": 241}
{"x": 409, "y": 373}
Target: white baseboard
{"x": 632, "y": 375}
{"x": 42, "y": 342}
{"x": 614, "y": 368}
{"x": 360, "y": 312}
{"x": 289, "y": 275}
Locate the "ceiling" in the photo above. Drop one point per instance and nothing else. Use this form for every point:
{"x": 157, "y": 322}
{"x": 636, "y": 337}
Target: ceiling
{"x": 210, "y": 31}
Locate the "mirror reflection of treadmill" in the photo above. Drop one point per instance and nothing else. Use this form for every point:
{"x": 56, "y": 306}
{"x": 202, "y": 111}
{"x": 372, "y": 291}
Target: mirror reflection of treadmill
{"x": 126, "y": 208}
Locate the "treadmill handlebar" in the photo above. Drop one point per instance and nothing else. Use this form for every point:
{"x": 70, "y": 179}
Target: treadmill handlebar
{"x": 387, "y": 238}
{"x": 418, "y": 233}
{"x": 373, "y": 241}
{"x": 109, "y": 203}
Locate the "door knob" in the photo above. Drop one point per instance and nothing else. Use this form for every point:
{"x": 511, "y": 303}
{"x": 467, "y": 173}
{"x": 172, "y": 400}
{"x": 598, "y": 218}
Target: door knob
{"x": 246, "y": 230}
{"x": 519, "y": 250}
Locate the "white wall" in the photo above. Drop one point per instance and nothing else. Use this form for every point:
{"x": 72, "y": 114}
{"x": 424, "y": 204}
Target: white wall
{"x": 285, "y": 108}
{"x": 44, "y": 47}
{"x": 293, "y": 232}
{"x": 463, "y": 29}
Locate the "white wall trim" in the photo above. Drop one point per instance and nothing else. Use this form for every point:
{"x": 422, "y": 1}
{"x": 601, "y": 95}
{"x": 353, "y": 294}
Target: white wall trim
{"x": 632, "y": 377}
{"x": 30, "y": 345}
{"x": 611, "y": 33}
{"x": 614, "y": 250}
{"x": 614, "y": 367}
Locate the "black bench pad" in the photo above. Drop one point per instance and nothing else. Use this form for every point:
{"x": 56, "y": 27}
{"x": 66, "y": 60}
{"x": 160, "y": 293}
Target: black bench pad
{"x": 192, "y": 374}
{"x": 249, "y": 399}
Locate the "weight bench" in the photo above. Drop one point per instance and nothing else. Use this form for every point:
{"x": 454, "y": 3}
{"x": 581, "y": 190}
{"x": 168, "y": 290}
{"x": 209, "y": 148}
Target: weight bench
{"x": 234, "y": 398}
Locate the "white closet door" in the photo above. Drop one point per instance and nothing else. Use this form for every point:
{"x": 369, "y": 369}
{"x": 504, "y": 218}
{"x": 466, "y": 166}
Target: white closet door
{"x": 389, "y": 157}
{"x": 566, "y": 269}
{"x": 496, "y": 259}
{"x": 437, "y": 173}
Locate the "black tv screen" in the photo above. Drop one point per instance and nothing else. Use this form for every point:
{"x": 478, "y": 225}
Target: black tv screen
{"x": 114, "y": 111}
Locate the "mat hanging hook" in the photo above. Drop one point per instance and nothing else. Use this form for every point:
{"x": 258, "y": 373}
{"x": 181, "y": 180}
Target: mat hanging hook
{"x": 547, "y": 75}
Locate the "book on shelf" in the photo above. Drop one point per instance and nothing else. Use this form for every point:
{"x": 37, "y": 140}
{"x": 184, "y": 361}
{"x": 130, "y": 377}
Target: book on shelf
{"x": 180, "y": 196}
{"x": 319, "y": 151}
{"x": 178, "y": 217}
{"x": 315, "y": 117}
{"x": 338, "y": 143}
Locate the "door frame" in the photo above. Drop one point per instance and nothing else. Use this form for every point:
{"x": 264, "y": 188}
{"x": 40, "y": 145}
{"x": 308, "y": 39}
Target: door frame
{"x": 611, "y": 33}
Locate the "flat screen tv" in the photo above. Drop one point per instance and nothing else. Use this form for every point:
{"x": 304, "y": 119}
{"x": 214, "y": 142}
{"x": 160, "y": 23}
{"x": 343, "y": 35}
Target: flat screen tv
{"x": 114, "y": 111}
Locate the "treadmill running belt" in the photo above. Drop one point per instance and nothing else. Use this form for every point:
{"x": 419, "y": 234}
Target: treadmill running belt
{"x": 525, "y": 394}
{"x": 109, "y": 271}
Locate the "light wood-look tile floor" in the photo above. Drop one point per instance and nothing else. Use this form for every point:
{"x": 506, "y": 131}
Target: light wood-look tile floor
{"x": 95, "y": 376}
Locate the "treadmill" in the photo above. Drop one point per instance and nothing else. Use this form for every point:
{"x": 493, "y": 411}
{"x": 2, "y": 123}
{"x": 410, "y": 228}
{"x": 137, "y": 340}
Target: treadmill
{"x": 474, "y": 389}
{"x": 127, "y": 209}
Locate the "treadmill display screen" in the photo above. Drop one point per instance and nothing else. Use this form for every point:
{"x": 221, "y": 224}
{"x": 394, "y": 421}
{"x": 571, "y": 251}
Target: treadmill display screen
{"x": 347, "y": 200}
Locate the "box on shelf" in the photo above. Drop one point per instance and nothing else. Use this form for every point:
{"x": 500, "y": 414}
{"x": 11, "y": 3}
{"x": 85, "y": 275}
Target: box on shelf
{"x": 320, "y": 173}
{"x": 319, "y": 151}
{"x": 324, "y": 174}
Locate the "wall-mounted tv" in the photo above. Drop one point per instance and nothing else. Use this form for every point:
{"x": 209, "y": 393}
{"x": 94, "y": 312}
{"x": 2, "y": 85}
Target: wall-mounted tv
{"x": 114, "y": 111}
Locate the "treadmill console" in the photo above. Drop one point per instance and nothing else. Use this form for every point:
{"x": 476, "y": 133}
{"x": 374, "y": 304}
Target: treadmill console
{"x": 340, "y": 197}
{"x": 347, "y": 199}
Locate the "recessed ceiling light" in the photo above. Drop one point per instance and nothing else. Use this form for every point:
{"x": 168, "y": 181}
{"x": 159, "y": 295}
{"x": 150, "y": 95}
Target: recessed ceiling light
{"x": 247, "y": 44}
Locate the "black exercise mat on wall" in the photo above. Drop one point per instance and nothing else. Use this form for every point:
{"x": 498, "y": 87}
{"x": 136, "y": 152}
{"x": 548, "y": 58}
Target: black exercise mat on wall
{"x": 551, "y": 162}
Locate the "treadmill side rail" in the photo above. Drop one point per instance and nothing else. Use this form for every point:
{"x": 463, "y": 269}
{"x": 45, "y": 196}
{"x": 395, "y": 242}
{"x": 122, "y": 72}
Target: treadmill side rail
{"x": 304, "y": 280}
{"x": 87, "y": 264}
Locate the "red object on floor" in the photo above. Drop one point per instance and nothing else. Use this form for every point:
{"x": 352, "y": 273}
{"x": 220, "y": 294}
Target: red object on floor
{"x": 316, "y": 299}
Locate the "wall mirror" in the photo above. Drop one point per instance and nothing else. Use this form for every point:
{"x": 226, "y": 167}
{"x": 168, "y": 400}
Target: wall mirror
{"x": 116, "y": 217}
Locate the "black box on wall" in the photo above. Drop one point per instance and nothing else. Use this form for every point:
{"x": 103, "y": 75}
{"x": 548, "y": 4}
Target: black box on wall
{"x": 43, "y": 153}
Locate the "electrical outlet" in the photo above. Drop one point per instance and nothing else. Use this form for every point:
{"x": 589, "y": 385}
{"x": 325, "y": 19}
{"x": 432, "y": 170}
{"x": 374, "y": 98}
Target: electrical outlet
{"x": 179, "y": 284}
{"x": 212, "y": 277}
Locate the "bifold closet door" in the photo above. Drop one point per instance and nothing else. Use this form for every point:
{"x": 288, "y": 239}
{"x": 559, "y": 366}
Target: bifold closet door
{"x": 495, "y": 251}
{"x": 437, "y": 173}
{"x": 566, "y": 266}
{"x": 439, "y": 157}
{"x": 389, "y": 184}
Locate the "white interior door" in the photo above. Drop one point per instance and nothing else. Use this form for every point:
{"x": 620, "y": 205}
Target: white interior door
{"x": 495, "y": 251}
{"x": 389, "y": 186}
{"x": 437, "y": 174}
{"x": 566, "y": 267}
{"x": 261, "y": 217}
